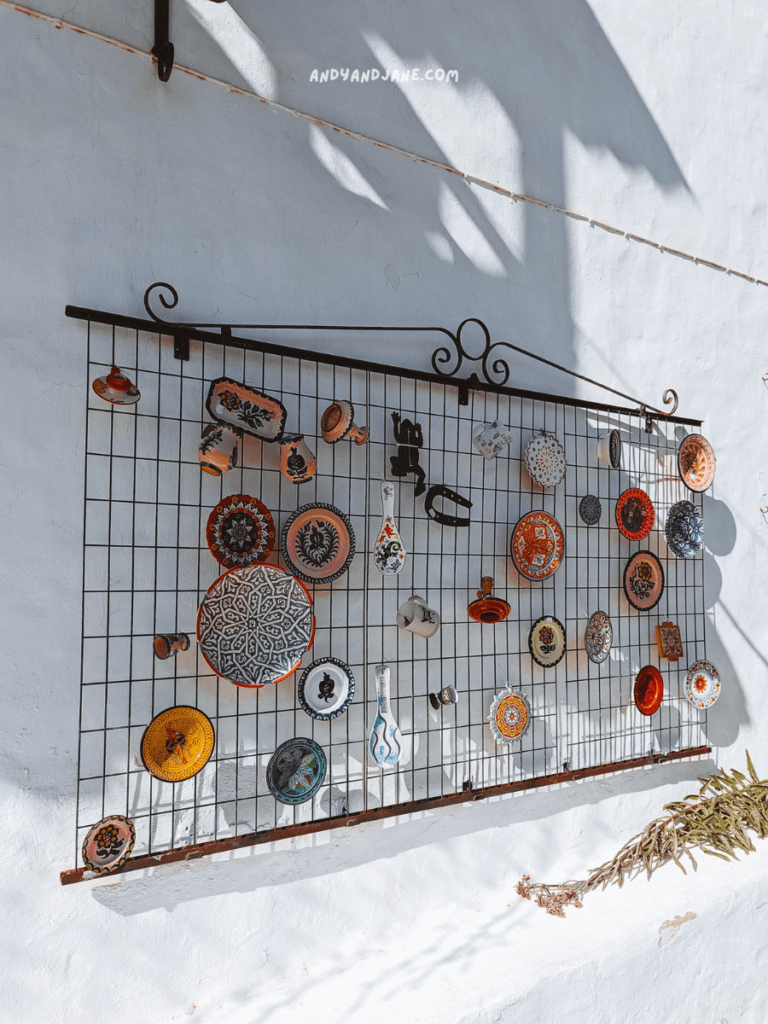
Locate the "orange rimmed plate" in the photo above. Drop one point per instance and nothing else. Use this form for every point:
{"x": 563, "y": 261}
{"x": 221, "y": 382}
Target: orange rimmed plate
{"x": 649, "y": 690}
{"x": 240, "y": 531}
{"x": 177, "y": 743}
{"x": 635, "y": 514}
{"x": 537, "y": 545}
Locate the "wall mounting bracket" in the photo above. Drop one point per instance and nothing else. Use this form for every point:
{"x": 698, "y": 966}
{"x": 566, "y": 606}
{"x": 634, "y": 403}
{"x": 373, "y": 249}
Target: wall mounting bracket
{"x": 162, "y": 51}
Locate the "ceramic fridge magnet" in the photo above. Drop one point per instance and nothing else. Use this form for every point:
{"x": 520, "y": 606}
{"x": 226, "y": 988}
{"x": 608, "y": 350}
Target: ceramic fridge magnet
{"x": 385, "y": 744}
{"x": 444, "y": 697}
{"x": 669, "y": 641}
{"x": 318, "y": 543}
{"x": 255, "y": 625}
{"x": 546, "y": 641}
{"x": 702, "y": 685}
{"x": 409, "y": 439}
{"x": 545, "y": 459}
{"x": 116, "y": 388}
{"x": 685, "y": 529}
{"x": 326, "y": 689}
{"x": 240, "y": 530}
{"x": 649, "y": 690}
{"x": 243, "y": 408}
{"x": 389, "y": 550}
{"x": 167, "y": 645}
{"x": 296, "y": 770}
{"x": 635, "y": 514}
{"x": 491, "y": 438}
{"x": 177, "y": 744}
{"x": 537, "y": 545}
{"x": 438, "y": 515}
{"x": 417, "y": 617}
{"x": 598, "y": 637}
{"x": 643, "y": 580}
{"x": 108, "y": 845}
{"x": 590, "y": 510}
{"x": 609, "y": 448}
{"x": 218, "y": 448}
{"x": 510, "y": 716}
{"x": 297, "y": 462}
{"x": 488, "y": 608}
{"x": 337, "y": 424}
{"x": 696, "y": 462}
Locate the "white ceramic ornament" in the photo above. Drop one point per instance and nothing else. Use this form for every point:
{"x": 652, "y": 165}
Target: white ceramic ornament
{"x": 389, "y": 550}
{"x": 385, "y": 744}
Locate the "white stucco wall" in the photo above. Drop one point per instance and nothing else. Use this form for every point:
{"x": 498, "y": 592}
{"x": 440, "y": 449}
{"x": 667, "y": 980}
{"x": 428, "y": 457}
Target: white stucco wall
{"x": 640, "y": 115}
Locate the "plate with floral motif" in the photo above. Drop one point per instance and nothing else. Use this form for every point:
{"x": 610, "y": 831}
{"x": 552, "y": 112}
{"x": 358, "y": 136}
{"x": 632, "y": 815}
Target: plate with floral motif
{"x": 649, "y": 690}
{"x": 635, "y": 514}
{"x": 510, "y": 716}
{"x": 318, "y": 543}
{"x": 643, "y": 580}
{"x": 108, "y": 844}
{"x": 240, "y": 530}
{"x": 537, "y": 545}
{"x": 296, "y": 770}
{"x": 702, "y": 685}
{"x": 685, "y": 529}
{"x": 244, "y": 408}
{"x": 696, "y": 462}
{"x": 598, "y": 637}
{"x": 545, "y": 459}
{"x": 546, "y": 641}
{"x": 177, "y": 743}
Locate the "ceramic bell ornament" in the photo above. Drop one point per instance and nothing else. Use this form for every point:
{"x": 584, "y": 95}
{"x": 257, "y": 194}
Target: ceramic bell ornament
{"x": 337, "y": 424}
{"x": 491, "y": 438}
{"x": 389, "y": 550}
{"x": 297, "y": 462}
{"x": 487, "y": 608}
{"x": 385, "y": 744}
{"x": 217, "y": 451}
{"x": 116, "y": 388}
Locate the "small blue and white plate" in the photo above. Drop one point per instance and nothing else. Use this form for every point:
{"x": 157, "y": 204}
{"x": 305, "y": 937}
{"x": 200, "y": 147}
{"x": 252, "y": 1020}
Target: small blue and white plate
{"x": 296, "y": 770}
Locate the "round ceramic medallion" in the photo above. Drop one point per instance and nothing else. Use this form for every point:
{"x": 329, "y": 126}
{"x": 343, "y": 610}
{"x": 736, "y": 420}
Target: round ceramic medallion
{"x": 537, "y": 545}
{"x": 255, "y": 624}
{"x": 326, "y": 689}
{"x": 696, "y": 462}
{"x": 702, "y": 685}
{"x": 635, "y": 514}
{"x": 545, "y": 460}
{"x": 108, "y": 844}
{"x": 649, "y": 690}
{"x": 546, "y": 641}
{"x": 510, "y": 716}
{"x": 685, "y": 529}
{"x": 296, "y": 770}
{"x": 240, "y": 531}
{"x": 598, "y": 637}
{"x": 590, "y": 510}
{"x": 177, "y": 744}
{"x": 318, "y": 543}
{"x": 643, "y": 580}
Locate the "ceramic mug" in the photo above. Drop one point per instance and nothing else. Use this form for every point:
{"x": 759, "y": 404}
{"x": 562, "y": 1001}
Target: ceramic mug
{"x": 417, "y": 617}
{"x": 297, "y": 463}
{"x": 609, "y": 448}
{"x": 217, "y": 451}
{"x": 167, "y": 644}
{"x": 491, "y": 438}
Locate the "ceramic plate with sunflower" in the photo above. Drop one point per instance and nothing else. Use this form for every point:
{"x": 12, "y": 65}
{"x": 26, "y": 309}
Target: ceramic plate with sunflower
{"x": 702, "y": 685}
{"x": 510, "y": 716}
{"x": 546, "y": 641}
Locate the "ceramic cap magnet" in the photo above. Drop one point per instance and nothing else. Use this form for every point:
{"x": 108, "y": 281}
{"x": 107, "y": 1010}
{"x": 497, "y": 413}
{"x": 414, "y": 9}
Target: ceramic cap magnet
{"x": 116, "y": 388}
{"x": 337, "y": 424}
{"x": 297, "y": 462}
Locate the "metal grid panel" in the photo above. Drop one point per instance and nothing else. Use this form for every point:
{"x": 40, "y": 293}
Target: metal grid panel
{"x": 146, "y": 568}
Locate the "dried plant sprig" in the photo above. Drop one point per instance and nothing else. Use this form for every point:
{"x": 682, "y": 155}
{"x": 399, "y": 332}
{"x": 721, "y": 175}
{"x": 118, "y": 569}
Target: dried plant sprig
{"x": 716, "y": 820}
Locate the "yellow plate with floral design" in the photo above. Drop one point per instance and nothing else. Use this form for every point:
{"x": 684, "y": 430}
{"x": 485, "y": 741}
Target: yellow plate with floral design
{"x": 177, "y": 743}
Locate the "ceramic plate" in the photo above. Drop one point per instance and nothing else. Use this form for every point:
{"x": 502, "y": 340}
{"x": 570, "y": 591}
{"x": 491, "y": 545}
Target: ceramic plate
{"x": 326, "y": 689}
{"x": 649, "y": 690}
{"x": 685, "y": 529}
{"x": 318, "y": 543}
{"x": 643, "y": 580}
{"x": 545, "y": 460}
{"x": 702, "y": 685}
{"x": 108, "y": 845}
{"x": 590, "y": 510}
{"x": 537, "y": 545}
{"x": 546, "y": 641}
{"x": 296, "y": 771}
{"x": 240, "y": 531}
{"x": 598, "y": 637}
{"x": 510, "y": 716}
{"x": 696, "y": 462}
{"x": 255, "y": 624}
{"x": 635, "y": 514}
{"x": 177, "y": 744}
{"x": 237, "y": 405}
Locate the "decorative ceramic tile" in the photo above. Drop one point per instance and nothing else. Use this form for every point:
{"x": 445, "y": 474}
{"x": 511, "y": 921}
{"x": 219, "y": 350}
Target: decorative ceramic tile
{"x": 669, "y": 641}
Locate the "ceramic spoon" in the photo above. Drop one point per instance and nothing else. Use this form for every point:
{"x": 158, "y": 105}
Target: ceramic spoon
{"x": 385, "y": 744}
{"x": 389, "y": 550}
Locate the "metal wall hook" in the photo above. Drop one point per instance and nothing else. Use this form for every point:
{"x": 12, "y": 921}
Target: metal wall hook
{"x": 441, "y": 491}
{"x": 162, "y": 51}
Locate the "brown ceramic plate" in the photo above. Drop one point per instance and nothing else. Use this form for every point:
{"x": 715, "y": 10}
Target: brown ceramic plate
{"x": 240, "y": 531}
{"x": 696, "y": 462}
{"x": 643, "y": 580}
{"x": 318, "y": 543}
{"x": 649, "y": 690}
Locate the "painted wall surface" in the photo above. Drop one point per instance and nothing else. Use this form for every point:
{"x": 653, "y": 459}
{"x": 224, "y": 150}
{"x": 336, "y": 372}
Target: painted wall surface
{"x": 640, "y": 115}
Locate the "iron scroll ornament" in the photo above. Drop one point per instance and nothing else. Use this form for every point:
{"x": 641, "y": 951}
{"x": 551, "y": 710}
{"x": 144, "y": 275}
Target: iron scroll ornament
{"x": 440, "y": 357}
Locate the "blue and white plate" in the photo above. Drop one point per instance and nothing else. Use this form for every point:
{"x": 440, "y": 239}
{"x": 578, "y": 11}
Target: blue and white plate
{"x": 685, "y": 529}
{"x": 296, "y": 770}
{"x": 590, "y": 510}
{"x": 326, "y": 689}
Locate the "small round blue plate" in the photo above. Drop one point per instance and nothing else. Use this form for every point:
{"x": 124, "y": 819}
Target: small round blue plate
{"x": 296, "y": 770}
{"x": 590, "y": 509}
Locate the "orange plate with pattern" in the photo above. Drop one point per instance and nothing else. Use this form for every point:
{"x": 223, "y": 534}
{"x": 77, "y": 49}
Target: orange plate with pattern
{"x": 635, "y": 514}
{"x": 177, "y": 743}
{"x": 537, "y": 545}
{"x": 649, "y": 690}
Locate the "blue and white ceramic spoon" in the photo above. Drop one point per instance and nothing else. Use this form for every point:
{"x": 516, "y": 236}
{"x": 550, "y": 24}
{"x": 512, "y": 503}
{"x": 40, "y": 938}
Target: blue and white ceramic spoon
{"x": 385, "y": 744}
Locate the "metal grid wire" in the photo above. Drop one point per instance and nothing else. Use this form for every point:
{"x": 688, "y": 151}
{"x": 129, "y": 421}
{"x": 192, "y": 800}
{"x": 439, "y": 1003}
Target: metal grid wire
{"x": 146, "y": 568}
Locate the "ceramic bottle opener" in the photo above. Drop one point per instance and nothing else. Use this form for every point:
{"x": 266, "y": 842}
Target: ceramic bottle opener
{"x": 385, "y": 744}
{"x": 389, "y": 550}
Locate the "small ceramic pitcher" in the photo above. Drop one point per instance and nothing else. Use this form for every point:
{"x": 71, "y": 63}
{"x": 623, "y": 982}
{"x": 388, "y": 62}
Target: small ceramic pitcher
{"x": 169, "y": 644}
{"x": 491, "y": 438}
{"x": 297, "y": 463}
{"x": 609, "y": 448}
{"x": 385, "y": 744}
{"x": 417, "y": 617}
{"x": 389, "y": 550}
{"x": 337, "y": 424}
{"x": 217, "y": 451}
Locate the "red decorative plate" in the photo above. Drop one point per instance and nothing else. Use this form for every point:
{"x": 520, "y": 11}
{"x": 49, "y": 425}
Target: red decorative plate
{"x": 649, "y": 690}
{"x": 643, "y": 580}
{"x": 537, "y": 545}
{"x": 240, "y": 531}
{"x": 635, "y": 514}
